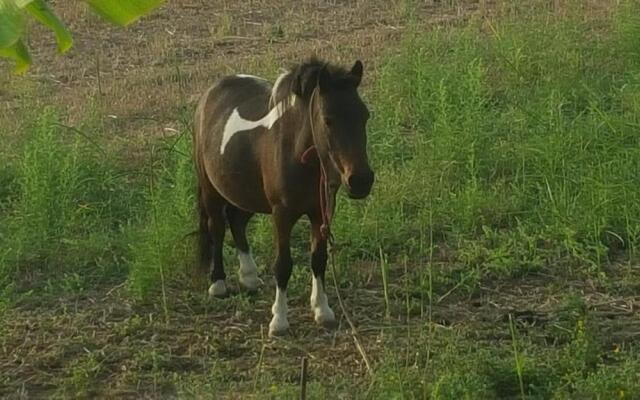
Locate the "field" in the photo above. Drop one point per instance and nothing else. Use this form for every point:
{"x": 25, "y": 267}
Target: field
{"x": 495, "y": 259}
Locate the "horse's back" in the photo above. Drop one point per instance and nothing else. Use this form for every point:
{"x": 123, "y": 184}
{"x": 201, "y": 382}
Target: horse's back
{"x": 225, "y": 162}
{"x": 247, "y": 93}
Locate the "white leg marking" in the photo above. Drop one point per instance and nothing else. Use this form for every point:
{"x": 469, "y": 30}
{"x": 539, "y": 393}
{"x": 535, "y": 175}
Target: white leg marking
{"x": 248, "y": 271}
{"x": 218, "y": 288}
{"x": 319, "y": 304}
{"x": 236, "y": 123}
{"x": 279, "y": 323}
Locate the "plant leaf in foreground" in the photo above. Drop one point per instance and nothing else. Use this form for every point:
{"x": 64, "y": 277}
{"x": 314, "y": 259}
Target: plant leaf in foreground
{"x": 41, "y": 11}
{"x": 19, "y": 53}
{"x": 122, "y": 12}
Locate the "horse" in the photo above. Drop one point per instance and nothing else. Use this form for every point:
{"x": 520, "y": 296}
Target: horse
{"x": 285, "y": 150}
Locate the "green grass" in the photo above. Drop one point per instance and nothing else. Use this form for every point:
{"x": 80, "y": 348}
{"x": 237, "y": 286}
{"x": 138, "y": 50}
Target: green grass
{"x": 520, "y": 142}
{"x": 66, "y": 206}
{"x": 162, "y": 246}
{"x": 507, "y": 156}
{"x": 465, "y": 369}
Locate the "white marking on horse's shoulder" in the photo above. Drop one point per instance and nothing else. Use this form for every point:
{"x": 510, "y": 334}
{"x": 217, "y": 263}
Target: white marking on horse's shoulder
{"x": 278, "y": 111}
{"x": 276, "y": 86}
{"x": 236, "y": 123}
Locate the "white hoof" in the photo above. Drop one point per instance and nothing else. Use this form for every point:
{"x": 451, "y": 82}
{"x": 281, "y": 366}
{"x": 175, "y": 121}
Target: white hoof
{"x": 250, "y": 282}
{"x": 248, "y": 273}
{"x": 278, "y": 326}
{"x": 323, "y": 314}
{"x": 325, "y": 317}
{"x": 218, "y": 289}
{"x": 279, "y": 323}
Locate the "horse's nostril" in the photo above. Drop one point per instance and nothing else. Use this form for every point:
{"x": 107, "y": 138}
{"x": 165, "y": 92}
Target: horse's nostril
{"x": 361, "y": 182}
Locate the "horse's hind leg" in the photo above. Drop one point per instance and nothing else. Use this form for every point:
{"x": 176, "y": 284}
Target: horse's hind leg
{"x": 212, "y": 230}
{"x": 248, "y": 273}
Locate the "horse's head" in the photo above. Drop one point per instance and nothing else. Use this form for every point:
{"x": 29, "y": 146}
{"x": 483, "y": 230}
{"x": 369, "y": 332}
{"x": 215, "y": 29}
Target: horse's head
{"x": 339, "y": 119}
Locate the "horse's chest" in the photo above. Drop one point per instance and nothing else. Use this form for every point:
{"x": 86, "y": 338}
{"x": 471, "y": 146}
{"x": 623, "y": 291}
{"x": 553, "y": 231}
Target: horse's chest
{"x": 293, "y": 187}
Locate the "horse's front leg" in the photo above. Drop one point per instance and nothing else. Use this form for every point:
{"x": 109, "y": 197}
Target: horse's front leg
{"x": 323, "y": 314}
{"x": 283, "y": 222}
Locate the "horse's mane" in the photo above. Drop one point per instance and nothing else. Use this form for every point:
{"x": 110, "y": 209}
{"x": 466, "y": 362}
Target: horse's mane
{"x": 301, "y": 79}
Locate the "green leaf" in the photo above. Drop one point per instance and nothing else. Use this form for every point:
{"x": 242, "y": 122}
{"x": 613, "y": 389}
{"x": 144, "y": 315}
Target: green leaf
{"x": 11, "y": 23}
{"x": 22, "y": 3}
{"x": 19, "y": 53}
{"x": 41, "y": 11}
{"x": 123, "y": 12}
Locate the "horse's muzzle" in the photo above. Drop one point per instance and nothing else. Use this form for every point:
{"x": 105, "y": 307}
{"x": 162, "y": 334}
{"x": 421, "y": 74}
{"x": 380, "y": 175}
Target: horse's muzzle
{"x": 359, "y": 185}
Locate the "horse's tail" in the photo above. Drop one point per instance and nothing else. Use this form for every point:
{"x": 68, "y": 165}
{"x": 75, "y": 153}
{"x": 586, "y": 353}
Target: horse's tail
{"x": 205, "y": 254}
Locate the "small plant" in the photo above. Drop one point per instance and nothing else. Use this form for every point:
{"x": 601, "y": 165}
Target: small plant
{"x": 384, "y": 268}
{"x": 162, "y": 246}
{"x": 516, "y": 356}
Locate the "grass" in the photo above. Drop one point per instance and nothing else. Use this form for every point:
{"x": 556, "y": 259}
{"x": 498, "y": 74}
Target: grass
{"x": 496, "y": 258}
{"x": 64, "y": 212}
{"x": 520, "y": 141}
{"x": 161, "y": 248}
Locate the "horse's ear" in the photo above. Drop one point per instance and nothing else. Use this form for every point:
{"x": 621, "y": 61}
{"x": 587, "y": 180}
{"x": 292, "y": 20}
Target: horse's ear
{"x": 324, "y": 79}
{"x": 356, "y": 72}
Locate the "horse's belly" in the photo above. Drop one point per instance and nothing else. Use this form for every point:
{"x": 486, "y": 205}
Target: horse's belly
{"x": 242, "y": 187}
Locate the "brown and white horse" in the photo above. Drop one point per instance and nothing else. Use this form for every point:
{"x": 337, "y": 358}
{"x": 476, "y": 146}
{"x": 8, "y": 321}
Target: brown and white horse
{"x": 282, "y": 150}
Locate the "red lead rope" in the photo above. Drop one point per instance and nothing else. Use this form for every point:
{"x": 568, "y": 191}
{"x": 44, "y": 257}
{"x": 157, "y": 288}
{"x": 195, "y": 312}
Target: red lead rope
{"x": 324, "y": 228}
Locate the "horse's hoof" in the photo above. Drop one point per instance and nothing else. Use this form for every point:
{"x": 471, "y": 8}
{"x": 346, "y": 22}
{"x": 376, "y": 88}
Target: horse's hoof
{"x": 327, "y": 323}
{"x": 218, "y": 289}
{"x": 278, "y": 328}
{"x": 325, "y": 317}
{"x": 278, "y": 333}
{"x": 250, "y": 283}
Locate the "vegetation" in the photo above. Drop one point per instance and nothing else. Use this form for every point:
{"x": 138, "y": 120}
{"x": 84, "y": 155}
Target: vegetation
{"x": 496, "y": 258}
{"x": 13, "y": 23}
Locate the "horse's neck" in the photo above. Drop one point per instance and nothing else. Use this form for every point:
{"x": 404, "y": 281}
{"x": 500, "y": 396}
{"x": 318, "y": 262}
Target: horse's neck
{"x": 302, "y": 136}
